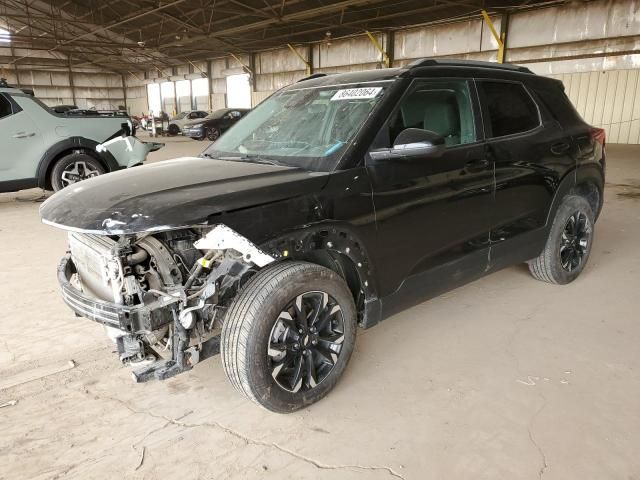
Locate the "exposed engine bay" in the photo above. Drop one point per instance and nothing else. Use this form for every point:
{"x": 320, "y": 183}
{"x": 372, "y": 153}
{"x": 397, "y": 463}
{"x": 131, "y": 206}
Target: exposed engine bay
{"x": 161, "y": 296}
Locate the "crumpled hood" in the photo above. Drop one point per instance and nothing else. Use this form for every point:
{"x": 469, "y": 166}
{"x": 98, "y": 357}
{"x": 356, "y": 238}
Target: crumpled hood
{"x": 173, "y": 194}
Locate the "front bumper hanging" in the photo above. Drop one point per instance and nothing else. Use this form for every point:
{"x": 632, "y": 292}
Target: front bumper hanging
{"x": 129, "y": 319}
{"x": 140, "y": 319}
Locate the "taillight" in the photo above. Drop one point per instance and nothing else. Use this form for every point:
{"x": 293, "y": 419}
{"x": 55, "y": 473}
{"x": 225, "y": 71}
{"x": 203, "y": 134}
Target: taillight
{"x": 599, "y": 135}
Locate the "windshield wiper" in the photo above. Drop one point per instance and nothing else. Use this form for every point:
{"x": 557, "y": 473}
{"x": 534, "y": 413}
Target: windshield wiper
{"x": 242, "y": 158}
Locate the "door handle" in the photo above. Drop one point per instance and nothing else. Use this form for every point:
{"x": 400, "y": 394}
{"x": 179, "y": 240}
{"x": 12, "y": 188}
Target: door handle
{"x": 477, "y": 165}
{"x": 23, "y": 135}
{"x": 560, "y": 148}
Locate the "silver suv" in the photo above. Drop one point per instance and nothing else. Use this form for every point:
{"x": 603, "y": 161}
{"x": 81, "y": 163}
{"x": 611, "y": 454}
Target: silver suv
{"x": 42, "y": 148}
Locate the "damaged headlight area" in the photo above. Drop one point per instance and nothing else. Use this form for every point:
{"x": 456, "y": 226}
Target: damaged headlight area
{"x": 161, "y": 297}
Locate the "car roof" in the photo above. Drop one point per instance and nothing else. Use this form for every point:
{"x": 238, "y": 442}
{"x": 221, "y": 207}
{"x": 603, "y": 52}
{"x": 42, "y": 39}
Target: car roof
{"x": 10, "y": 90}
{"x": 425, "y": 67}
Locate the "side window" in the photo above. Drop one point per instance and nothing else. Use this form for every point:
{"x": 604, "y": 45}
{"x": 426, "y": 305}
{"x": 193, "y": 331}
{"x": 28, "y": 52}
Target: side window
{"x": 5, "y": 107}
{"x": 511, "y": 109}
{"x": 441, "y": 106}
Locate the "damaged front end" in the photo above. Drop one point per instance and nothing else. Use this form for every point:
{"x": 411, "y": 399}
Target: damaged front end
{"x": 161, "y": 297}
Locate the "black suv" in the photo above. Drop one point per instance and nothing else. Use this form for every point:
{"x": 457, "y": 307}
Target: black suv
{"x": 337, "y": 202}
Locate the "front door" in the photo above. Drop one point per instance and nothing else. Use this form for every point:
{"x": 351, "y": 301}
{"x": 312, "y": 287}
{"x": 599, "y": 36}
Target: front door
{"x": 432, "y": 214}
{"x": 22, "y": 145}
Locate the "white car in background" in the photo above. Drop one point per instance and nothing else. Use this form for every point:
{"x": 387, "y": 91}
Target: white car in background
{"x": 177, "y": 122}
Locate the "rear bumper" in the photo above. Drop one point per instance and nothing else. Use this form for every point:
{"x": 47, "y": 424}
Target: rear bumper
{"x": 129, "y": 319}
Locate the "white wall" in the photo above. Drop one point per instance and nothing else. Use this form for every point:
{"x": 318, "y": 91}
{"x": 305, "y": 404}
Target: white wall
{"x": 54, "y": 87}
{"x": 591, "y": 46}
{"x": 608, "y": 99}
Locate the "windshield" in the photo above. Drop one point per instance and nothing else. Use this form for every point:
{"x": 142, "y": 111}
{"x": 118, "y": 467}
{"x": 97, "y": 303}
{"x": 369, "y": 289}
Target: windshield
{"x": 309, "y": 128}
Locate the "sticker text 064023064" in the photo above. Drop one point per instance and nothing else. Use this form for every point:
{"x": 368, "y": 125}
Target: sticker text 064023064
{"x": 356, "y": 93}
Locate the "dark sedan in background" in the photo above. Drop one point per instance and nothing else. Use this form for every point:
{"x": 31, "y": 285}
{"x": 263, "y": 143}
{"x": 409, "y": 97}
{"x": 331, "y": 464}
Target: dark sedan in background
{"x": 214, "y": 124}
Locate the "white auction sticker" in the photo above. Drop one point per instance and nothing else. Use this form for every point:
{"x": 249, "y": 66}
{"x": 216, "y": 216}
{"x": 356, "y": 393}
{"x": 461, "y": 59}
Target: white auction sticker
{"x": 356, "y": 93}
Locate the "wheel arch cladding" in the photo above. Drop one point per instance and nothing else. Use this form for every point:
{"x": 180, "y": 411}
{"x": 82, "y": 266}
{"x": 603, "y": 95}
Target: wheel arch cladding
{"x": 590, "y": 185}
{"x": 337, "y": 248}
{"x": 586, "y": 181}
{"x": 65, "y": 147}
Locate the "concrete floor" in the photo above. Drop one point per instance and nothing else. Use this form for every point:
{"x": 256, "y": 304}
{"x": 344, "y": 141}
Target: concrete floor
{"x": 504, "y": 378}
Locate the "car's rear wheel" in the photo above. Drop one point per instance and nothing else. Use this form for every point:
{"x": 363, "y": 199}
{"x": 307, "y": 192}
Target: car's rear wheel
{"x": 569, "y": 244}
{"x": 288, "y": 335}
{"x": 173, "y": 129}
{"x": 213, "y": 133}
{"x": 74, "y": 168}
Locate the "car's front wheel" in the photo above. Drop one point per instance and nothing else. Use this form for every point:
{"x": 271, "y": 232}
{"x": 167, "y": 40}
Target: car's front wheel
{"x": 288, "y": 335}
{"x": 173, "y": 129}
{"x": 74, "y": 168}
{"x": 213, "y": 133}
{"x": 569, "y": 243}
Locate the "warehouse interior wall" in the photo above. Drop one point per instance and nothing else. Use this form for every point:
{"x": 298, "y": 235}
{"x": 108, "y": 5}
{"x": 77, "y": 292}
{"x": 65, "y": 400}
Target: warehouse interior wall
{"x": 84, "y": 88}
{"x": 591, "y": 46}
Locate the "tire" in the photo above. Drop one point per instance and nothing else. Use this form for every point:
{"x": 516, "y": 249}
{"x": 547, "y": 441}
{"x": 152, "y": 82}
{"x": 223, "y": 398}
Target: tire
{"x": 173, "y": 129}
{"x": 569, "y": 243}
{"x": 256, "y": 331}
{"x": 213, "y": 134}
{"x": 73, "y": 168}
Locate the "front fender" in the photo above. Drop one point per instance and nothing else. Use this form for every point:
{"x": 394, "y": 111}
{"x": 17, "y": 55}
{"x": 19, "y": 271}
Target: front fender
{"x": 129, "y": 151}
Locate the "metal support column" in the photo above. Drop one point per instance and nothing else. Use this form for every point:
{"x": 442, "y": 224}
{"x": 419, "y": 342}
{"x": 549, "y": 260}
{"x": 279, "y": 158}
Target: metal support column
{"x": 253, "y": 77}
{"x": 71, "y": 84}
{"x": 306, "y": 61}
{"x": 391, "y": 40}
{"x": 124, "y": 92}
{"x": 210, "y": 84}
{"x": 175, "y": 94}
{"x": 500, "y": 38}
{"x": 385, "y": 57}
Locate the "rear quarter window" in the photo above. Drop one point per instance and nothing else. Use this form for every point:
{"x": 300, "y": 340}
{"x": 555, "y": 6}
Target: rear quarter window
{"x": 558, "y": 104}
{"x": 510, "y": 108}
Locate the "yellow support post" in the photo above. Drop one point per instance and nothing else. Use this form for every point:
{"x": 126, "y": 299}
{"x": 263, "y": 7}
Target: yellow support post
{"x": 134, "y": 75}
{"x": 500, "y": 39}
{"x": 246, "y": 67}
{"x": 306, "y": 62}
{"x": 374, "y": 40}
{"x": 195, "y": 66}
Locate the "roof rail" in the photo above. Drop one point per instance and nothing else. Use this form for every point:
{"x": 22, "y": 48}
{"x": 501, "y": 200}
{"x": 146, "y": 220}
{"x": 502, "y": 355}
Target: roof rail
{"x": 312, "y": 76}
{"x": 453, "y": 62}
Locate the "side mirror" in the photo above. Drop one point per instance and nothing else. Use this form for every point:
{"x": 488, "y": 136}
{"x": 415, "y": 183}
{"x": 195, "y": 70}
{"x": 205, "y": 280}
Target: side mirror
{"x": 412, "y": 142}
{"x": 127, "y": 129}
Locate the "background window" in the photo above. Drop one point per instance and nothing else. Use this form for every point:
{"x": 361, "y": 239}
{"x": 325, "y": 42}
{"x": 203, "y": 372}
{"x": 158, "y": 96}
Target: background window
{"x": 183, "y": 92}
{"x": 511, "y": 109}
{"x": 443, "y": 107}
{"x": 5, "y": 107}
{"x": 153, "y": 93}
{"x": 238, "y": 91}
{"x": 200, "y": 93}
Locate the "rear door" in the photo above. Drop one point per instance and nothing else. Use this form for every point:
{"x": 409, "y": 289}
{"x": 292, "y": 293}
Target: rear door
{"x": 22, "y": 144}
{"x": 432, "y": 213}
{"x": 530, "y": 152}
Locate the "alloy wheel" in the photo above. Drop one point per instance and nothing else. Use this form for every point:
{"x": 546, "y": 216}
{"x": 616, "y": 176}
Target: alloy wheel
{"x": 76, "y": 172}
{"x": 306, "y": 341}
{"x": 213, "y": 134}
{"x": 575, "y": 241}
